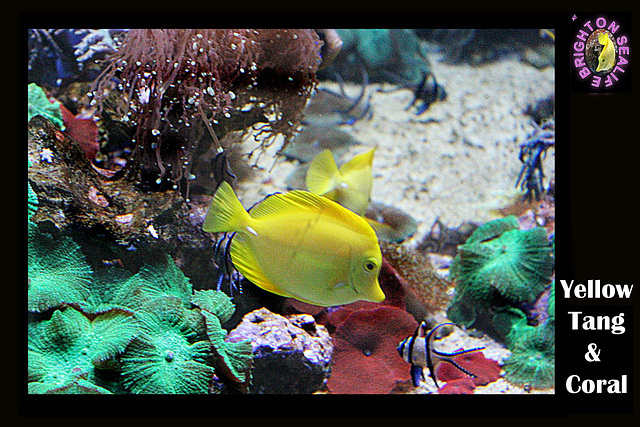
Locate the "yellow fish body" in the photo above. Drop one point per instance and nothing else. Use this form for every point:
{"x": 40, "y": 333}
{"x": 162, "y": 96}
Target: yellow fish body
{"x": 300, "y": 245}
{"x": 607, "y": 57}
{"x": 350, "y": 186}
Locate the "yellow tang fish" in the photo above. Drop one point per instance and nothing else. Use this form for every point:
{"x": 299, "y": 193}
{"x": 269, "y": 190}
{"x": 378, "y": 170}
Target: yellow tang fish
{"x": 607, "y": 58}
{"x": 350, "y": 185}
{"x": 300, "y": 245}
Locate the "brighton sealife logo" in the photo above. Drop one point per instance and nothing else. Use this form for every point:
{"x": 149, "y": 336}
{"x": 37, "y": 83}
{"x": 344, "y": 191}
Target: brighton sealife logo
{"x": 601, "y": 52}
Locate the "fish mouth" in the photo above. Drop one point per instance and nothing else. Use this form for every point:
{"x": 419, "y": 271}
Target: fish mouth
{"x": 352, "y": 286}
{"x": 375, "y": 295}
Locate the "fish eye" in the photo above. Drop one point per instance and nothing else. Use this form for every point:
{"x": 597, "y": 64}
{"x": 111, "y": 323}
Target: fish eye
{"x": 370, "y": 265}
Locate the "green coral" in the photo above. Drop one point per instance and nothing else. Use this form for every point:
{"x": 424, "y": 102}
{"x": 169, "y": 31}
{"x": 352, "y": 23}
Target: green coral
{"x": 180, "y": 347}
{"x": 40, "y": 104}
{"x": 154, "y": 281}
{"x": 170, "y": 356}
{"x": 32, "y": 201}
{"x": 66, "y": 351}
{"x": 57, "y": 270}
{"x": 506, "y": 320}
{"x": 517, "y": 264}
{"x": 32, "y": 198}
{"x": 551, "y": 307}
{"x": 177, "y": 344}
{"x": 500, "y": 272}
{"x": 493, "y": 229}
{"x": 214, "y": 302}
{"x": 532, "y": 360}
{"x": 107, "y": 285}
{"x": 499, "y": 265}
{"x": 386, "y": 52}
{"x": 233, "y": 360}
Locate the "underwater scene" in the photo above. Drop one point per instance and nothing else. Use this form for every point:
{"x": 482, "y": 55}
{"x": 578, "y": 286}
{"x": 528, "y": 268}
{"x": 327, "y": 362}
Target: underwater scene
{"x": 291, "y": 211}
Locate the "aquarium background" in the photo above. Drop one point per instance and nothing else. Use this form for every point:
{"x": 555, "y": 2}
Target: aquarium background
{"x": 131, "y": 131}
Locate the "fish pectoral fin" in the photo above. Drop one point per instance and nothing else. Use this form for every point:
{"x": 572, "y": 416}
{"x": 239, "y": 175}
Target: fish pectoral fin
{"x": 339, "y": 285}
{"x": 246, "y": 263}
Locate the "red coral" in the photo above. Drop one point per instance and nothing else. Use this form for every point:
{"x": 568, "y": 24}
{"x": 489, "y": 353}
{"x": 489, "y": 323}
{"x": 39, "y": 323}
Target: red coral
{"x": 463, "y": 385}
{"x": 84, "y": 131}
{"x": 365, "y": 357}
{"x": 486, "y": 370}
{"x": 392, "y": 286}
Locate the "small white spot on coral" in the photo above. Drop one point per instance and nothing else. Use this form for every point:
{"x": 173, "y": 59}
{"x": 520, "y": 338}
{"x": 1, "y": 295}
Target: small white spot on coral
{"x": 124, "y": 219}
{"x": 46, "y": 155}
{"x": 152, "y": 231}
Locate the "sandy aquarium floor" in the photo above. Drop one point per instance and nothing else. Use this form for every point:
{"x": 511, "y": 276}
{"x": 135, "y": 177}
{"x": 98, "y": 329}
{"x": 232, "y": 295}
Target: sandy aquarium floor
{"x": 458, "y": 161}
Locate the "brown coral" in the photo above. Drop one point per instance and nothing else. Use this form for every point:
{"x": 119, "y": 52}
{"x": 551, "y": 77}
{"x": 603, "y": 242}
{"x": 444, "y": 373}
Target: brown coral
{"x": 425, "y": 291}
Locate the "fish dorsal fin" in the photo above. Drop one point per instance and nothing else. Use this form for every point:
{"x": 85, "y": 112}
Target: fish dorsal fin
{"x": 304, "y": 201}
{"x": 246, "y": 263}
{"x": 322, "y": 173}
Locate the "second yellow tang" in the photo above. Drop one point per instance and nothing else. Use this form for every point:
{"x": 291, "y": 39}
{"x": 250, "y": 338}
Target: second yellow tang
{"x": 300, "y": 245}
{"x": 607, "y": 57}
{"x": 350, "y": 185}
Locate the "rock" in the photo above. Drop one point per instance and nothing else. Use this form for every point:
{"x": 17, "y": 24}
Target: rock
{"x": 75, "y": 195}
{"x": 291, "y": 354}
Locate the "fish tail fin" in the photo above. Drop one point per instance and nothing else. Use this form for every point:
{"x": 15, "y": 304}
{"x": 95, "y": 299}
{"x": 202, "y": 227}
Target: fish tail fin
{"x": 322, "y": 173}
{"x": 357, "y": 176}
{"x": 226, "y": 213}
{"x": 361, "y": 161}
{"x": 602, "y": 38}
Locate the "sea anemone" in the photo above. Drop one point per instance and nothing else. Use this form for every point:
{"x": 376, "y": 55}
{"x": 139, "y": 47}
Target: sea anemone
{"x": 551, "y": 302}
{"x": 32, "y": 197}
{"x": 506, "y": 320}
{"x": 180, "y": 86}
{"x": 517, "y": 265}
